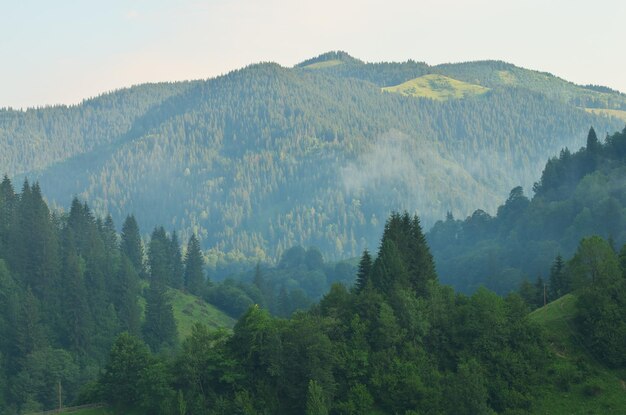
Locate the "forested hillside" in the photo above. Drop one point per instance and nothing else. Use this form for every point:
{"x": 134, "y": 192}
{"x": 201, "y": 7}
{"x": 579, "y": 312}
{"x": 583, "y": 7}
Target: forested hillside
{"x": 265, "y": 158}
{"x": 69, "y": 284}
{"x": 580, "y": 194}
{"x": 397, "y": 343}
{"x": 90, "y": 310}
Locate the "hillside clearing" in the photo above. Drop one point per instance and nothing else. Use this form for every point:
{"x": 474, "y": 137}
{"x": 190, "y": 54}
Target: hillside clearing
{"x": 437, "y": 87}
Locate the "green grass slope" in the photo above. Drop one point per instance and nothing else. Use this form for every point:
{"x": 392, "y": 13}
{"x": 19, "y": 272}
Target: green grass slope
{"x": 494, "y": 74}
{"x": 437, "y": 87}
{"x": 189, "y": 310}
{"x": 581, "y": 385}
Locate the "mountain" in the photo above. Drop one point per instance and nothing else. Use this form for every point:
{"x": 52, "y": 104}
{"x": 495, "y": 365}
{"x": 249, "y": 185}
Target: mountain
{"x": 268, "y": 157}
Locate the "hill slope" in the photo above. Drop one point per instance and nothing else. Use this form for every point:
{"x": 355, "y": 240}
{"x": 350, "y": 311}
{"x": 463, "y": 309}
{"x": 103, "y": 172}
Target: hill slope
{"x": 267, "y": 157}
{"x": 580, "y": 194}
{"x": 437, "y": 87}
{"x": 189, "y": 310}
{"x": 583, "y": 386}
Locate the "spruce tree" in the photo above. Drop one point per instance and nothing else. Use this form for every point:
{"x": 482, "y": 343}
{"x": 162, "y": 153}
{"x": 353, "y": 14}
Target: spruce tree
{"x": 592, "y": 141}
{"x": 176, "y": 268}
{"x": 126, "y": 292}
{"x": 8, "y": 201}
{"x": 76, "y": 311}
{"x": 558, "y": 283}
{"x": 421, "y": 265}
{"x": 159, "y": 327}
{"x": 389, "y": 270}
{"x": 364, "y": 271}
{"x": 194, "y": 263}
{"x": 131, "y": 244}
{"x": 158, "y": 256}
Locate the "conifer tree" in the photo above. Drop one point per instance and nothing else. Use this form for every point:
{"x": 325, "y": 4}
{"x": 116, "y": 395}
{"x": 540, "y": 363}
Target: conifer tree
{"x": 109, "y": 235}
{"x": 159, "y": 327}
{"x": 131, "y": 244}
{"x": 177, "y": 271}
{"x": 558, "y": 283}
{"x": 158, "y": 256}
{"x": 421, "y": 265}
{"x": 8, "y": 200}
{"x": 364, "y": 271}
{"x": 29, "y": 333}
{"x": 592, "y": 141}
{"x": 76, "y": 311}
{"x": 389, "y": 269}
{"x": 194, "y": 263}
{"x": 126, "y": 291}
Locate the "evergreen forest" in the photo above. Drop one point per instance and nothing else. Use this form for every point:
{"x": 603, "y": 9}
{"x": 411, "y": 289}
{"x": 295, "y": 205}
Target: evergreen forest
{"x": 332, "y": 238}
{"x": 265, "y": 158}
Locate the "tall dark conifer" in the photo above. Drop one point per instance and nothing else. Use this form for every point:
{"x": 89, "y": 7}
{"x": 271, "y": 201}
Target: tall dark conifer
{"x": 364, "y": 271}
{"x": 558, "y": 282}
{"x": 8, "y": 200}
{"x": 159, "y": 327}
{"x": 194, "y": 263}
{"x": 126, "y": 292}
{"x": 131, "y": 244}
{"x": 79, "y": 326}
{"x": 420, "y": 262}
{"x": 158, "y": 256}
{"x": 389, "y": 270}
{"x": 177, "y": 270}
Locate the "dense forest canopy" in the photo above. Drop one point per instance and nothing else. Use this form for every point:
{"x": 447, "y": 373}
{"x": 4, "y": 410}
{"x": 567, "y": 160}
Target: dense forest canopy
{"x": 93, "y": 310}
{"x": 579, "y": 194}
{"x": 266, "y": 158}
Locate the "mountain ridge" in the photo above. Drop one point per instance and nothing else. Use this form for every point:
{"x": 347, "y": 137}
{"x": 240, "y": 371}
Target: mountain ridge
{"x": 294, "y": 145}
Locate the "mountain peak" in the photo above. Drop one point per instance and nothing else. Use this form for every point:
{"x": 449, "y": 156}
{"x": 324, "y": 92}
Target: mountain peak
{"x": 333, "y": 57}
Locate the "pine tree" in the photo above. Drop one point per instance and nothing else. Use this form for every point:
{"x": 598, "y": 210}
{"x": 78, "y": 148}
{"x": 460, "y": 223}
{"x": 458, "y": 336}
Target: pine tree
{"x": 558, "y": 283}
{"x": 263, "y": 286}
{"x": 421, "y": 265}
{"x": 8, "y": 201}
{"x": 159, "y": 327}
{"x": 29, "y": 333}
{"x": 592, "y": 141}
{"x": 158, "y": 256}
{"x": 389, "y": 269}
{"x": 109, "y": 235}
{"x": 125, "y": 292}
{"x": 194, "y": 263}
{"x": 76, "y": 311}
{"x": 364, "y": 271}
{"x": 177, "y": 271}
{"x": 131, "y": 245}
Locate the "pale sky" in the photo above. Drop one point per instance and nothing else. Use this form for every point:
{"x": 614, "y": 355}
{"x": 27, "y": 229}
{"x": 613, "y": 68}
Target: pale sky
{"x": 63, "y": 51}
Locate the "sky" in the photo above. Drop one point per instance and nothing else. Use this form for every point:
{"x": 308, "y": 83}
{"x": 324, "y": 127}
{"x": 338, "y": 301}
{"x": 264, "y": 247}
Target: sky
{"x": 61, "y": 52}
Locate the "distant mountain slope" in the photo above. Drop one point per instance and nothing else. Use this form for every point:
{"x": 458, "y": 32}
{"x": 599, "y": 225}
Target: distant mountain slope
{"x": 267, "y": 157}
{"x": 437, "y": 87}
{"x": 579, "y": 194}
{"x": 494, "y": 74}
